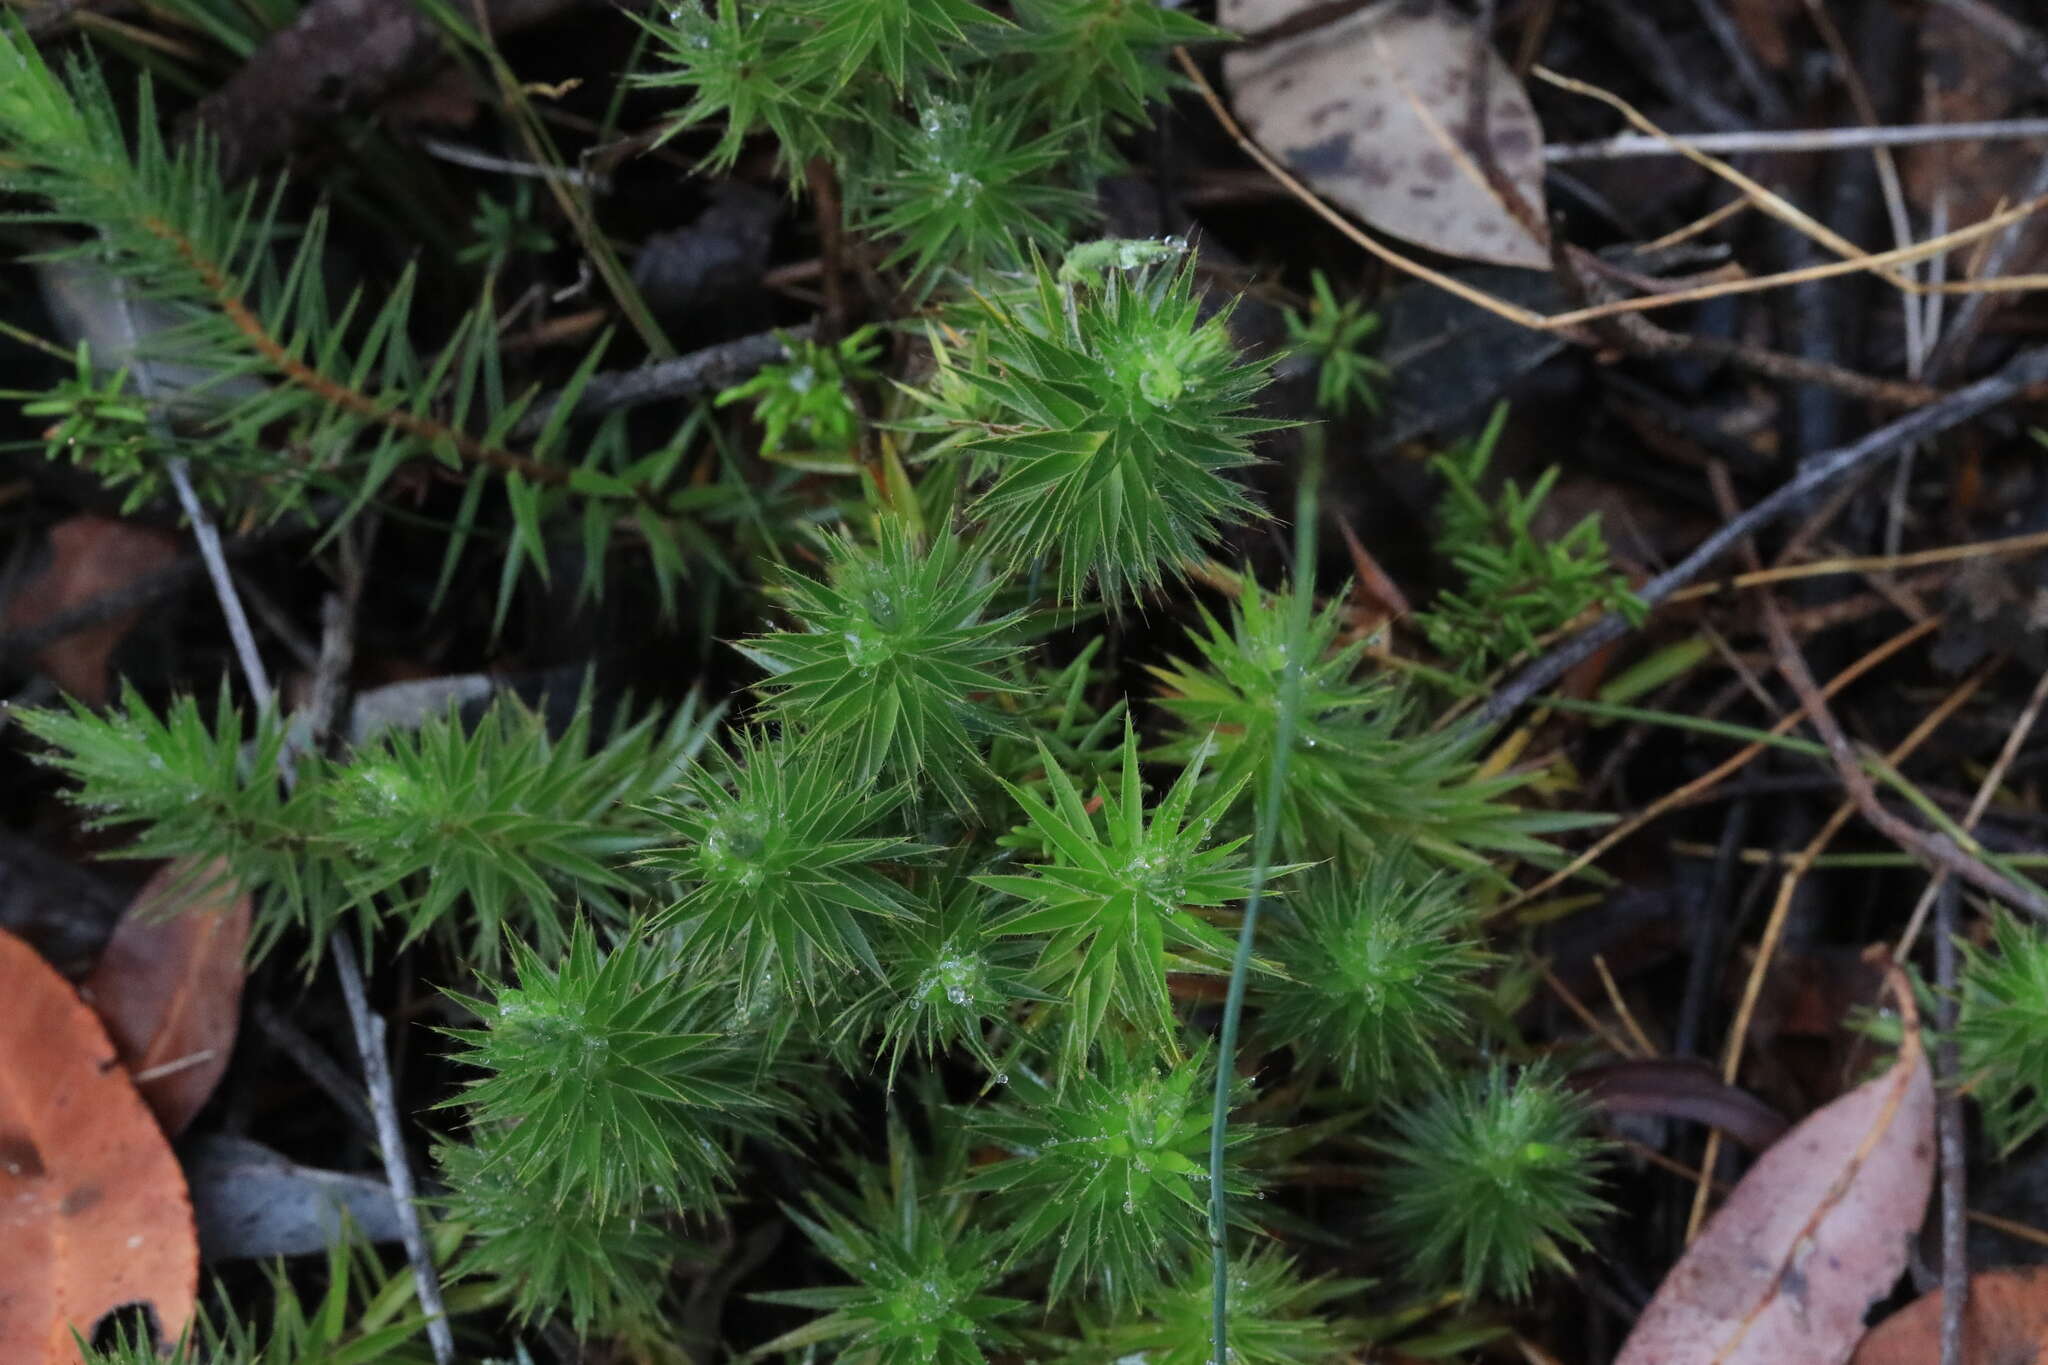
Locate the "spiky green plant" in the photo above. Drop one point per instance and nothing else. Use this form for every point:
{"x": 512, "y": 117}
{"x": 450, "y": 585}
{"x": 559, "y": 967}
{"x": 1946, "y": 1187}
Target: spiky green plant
{"x": 1373, "y": 974}
{"x": 497, "y": 819}
{"x": 805, "y": 405}
{"x": 1108, "y": 414}
{"x": 2002, "y": 1029}
{"x": 968, "y": 187}
{"x": 781, "y": 861}
{"x": 905, "y": 39}
{"x": 1358, "y": 779}
{"x": 1519, "y": 585}
{"x": 606, "y": 1270}
{"x": 1119, "y": 902}
{"x": 1334, "y": 334}
{"x": 1276, "y": 1318}
{"x": 1102, "y": 1178}
{"x": 899, "y": 660}
{"x": 272, "y": 366}
{"x": 1100, "y": 63}
{"x": 950, "y": 978}
{"x": 1490, "y": 1178}
{"x": 923, "y": 1273}
{"x": 745, "y": 67}
{"x": 354, "y": 1320}
{"x": 701, "y": 951}
{"x": 604, "y": 1082}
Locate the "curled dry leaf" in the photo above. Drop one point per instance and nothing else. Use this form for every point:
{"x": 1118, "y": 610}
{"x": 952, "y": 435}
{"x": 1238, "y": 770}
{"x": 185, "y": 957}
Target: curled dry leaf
{"x": 2005, "y": 1323}
{"x": 89, "y": 556}
{"x": 1376, "y": 111}
{"x": 1672, "y": 1087}
{"x": 169, "y": 988}
{"x": 93, "y": 1211}
{"x": 1814, "y": 1233}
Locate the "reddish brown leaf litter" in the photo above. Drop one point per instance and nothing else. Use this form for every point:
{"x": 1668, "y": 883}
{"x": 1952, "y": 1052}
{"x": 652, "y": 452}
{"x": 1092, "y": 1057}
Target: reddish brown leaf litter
{"x": 1815, "y": 1233}
{"x": 89, "y": 556}
{"x": 2006, "y": 1323}
{"x": 169, "y": 988}
{"x": 93, "y": 1210}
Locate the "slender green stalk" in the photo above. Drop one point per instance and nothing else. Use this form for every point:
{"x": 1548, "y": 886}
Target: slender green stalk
{"x": 1301, "y": 607}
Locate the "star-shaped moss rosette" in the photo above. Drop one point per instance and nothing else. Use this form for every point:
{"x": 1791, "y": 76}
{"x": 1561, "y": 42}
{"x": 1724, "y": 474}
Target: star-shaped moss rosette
{"x": 783, "y": 860}
{"x": 1277, "y": 1317}
{"x": 898, "y": 661}
{"x": 950, "y": 979}
{"x": 1122, "y": 898}
{"x": 2003, "y": 1029}
{"x": 1490, "y": 1177}
{"x": 921, "y": 1263}
{"x": 1374, "y": 973}
{"x": 604, "y": 1081}
{"x": 1358, "y": 780}
{"x": 1106, "y": 416}
{"x": 1105, "y": 1179}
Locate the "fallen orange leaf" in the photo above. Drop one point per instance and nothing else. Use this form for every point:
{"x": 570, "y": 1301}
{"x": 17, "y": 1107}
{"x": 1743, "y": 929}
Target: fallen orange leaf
{"x": 2005, "y": 1323}
{"x": 169, "y": 989}
{"x": 93, "y": 1210}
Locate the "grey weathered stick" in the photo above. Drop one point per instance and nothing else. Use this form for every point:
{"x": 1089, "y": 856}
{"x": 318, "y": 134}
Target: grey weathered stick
{"x": 368, "y": 1027}
{"x": 1948, "y": 354}
{"x": 1948, "y": 1118}
{"x": 2026, "y": 370}
{"x": 1626, "y": 146}
{"x": 686, "y": 376}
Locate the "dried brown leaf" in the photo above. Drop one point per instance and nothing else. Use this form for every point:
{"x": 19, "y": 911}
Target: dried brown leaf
{"x": 89, "y": 556}
{"x": 2005, "y": 1323}
{"x": 1375, "y": 111}
{"x": 93, "y": 1210}
{"x": 1814, "y": 1233}
{"x": 1672, "y": 1087}
{"x": 169, "y": 989}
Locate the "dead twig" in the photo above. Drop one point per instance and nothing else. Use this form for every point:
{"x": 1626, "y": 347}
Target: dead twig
{"x": 686, "y": 376}
{"x": 1936, "y": 850}
{"x": 1628, "y": 146}
{"x": 1980, "y": 801}
{"x": 369, "y": 1028}
{"x": 1825, "y": 469}
{"x": 1948, "y": 1119}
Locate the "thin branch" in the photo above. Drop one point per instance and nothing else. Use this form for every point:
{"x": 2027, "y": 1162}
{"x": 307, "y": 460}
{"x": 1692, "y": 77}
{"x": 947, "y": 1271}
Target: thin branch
{"x": 1936, "y": 850}
{"x": 1948, "y": 352}
{"x": 216, "y": 561}
{"x": 1626, "y": 146}
{"x": 1980, "y": 801}
{"x": 1948, "y": 1115}
{"x": 686, "y": 376}
{"x": 2026, "y": 370}
{"x": 369, "y": 1031}
{"x": 369, "y": 1028}
{"x": 455, "y": 152}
